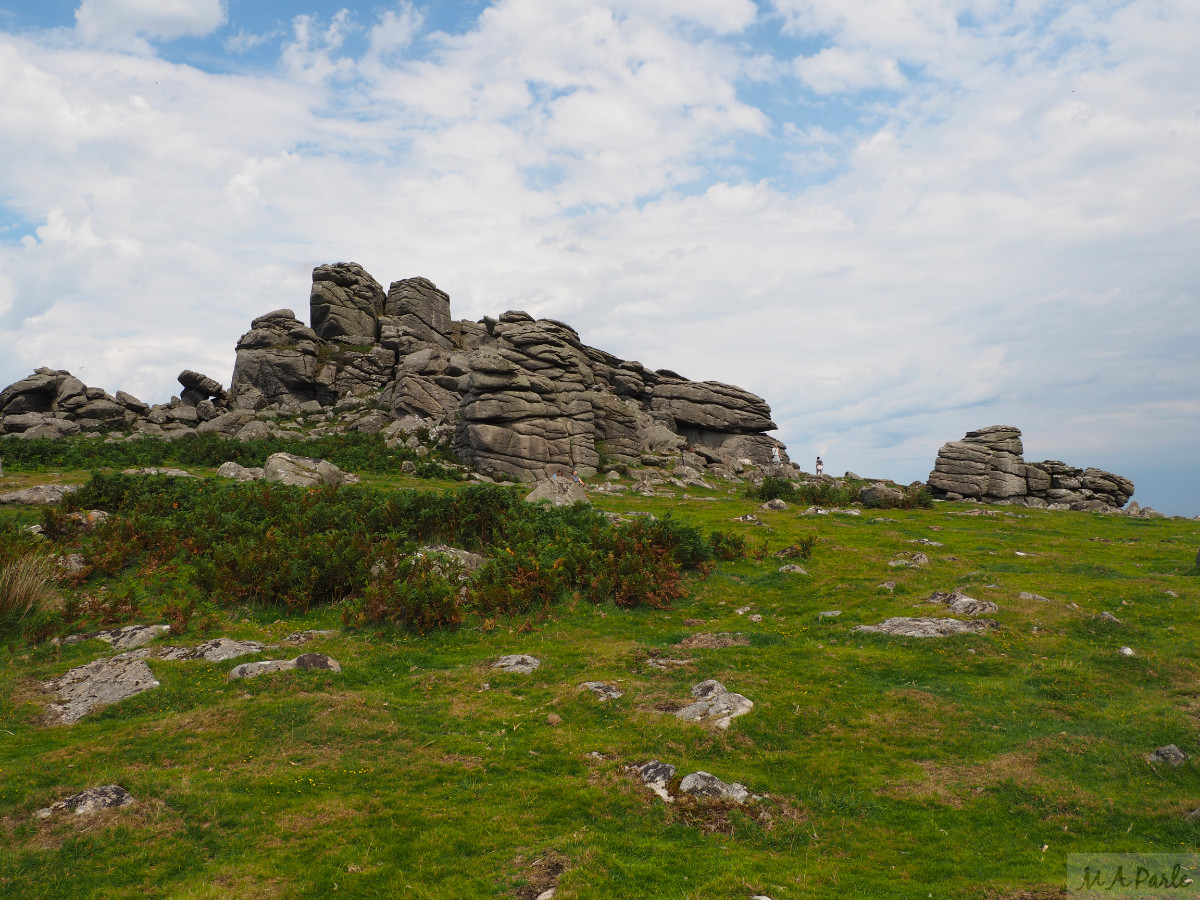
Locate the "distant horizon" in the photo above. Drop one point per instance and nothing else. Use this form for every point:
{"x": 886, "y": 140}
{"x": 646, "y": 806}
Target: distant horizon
{"x": 894, "y": 222}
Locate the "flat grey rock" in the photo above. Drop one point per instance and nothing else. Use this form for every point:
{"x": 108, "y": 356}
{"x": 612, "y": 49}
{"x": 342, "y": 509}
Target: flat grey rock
{"x": 239, "y": 472}
{"x": 962, "y": 605}
{"x": 304, "y": 471}
{"x": 85, "y": 803}
{"x": 126, "y": 638}
{"x": 40, "y": 494}
{"x": 903, "y": 626}
{"x": 792, "y": 569}
{"x": 829, "y": 614}
{"x": 303, "y": 637}
{"x": 656, "y": 776}
{"x": 603, "y": 690}
{"x": 558, "y": 492}
{"x": 216, "y": 650}
{"x": 705, "y": 785}
{"x": 517, "y": 663}
{"x": 715, "y": 704}
{"x": 158, "y": 470}
{"x": 98, "y": 684}
{"x": 1170, "y": 754}
{"x": 1026, "y": 595}
{"x": 267, "y": 666}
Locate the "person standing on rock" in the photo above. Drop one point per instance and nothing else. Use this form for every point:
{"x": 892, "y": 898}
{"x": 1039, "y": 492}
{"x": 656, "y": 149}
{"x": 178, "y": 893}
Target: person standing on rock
{"x": 775, "y": 460}
{"x": 820, "y": 466}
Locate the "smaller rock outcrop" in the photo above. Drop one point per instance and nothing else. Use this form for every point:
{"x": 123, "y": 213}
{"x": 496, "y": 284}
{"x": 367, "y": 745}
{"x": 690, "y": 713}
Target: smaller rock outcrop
{"x": 85, "y": 803}
{"x": 987, "y": 464}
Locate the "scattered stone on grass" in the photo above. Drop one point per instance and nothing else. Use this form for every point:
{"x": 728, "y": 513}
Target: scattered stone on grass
{"x": 1108, "y": 617}
{"x": 656, "y": 776}
{"x": 39, "y": 494}
{"x": 85, "y": 803}
{"x": 1126, "y": 651}
{"x": 903, "y": 626}
{"x": 95, "y": 685}
{"x": 1169, "y": 754}
{"x": 702, "y": 784}
{"x": 962, "y": 605}
{"x": 303, "y": 637}
{"x": 792, "y": 569}
{"x": 603, "y": 690}
{"x": 122, "y": 638}
{"x": 266, "y": 666}
{"x": 713, "y": 641}
{"x": 558, "y": 492}
{"x": 158, "y": 470}
{"x": 87, "y": 520}
{"x": 829, "y": 614}
{"x": 72, "y": 564}
{"x": 742, "y": 610}
{"x": 887, "y": 586}
{"x": 926, "y": 542}
{"x": 775, "y": 505}
{"x": 517, "y": 663}
{"x": 1026, "y": 595}
{"x": 791, "y": 551}
{"x": 715, "y": 703}
{"x": 756, "y": 618}
{"x": 977, "y": 512}
{"x": 749, "y": 518}
{"x": 665, "y": 665}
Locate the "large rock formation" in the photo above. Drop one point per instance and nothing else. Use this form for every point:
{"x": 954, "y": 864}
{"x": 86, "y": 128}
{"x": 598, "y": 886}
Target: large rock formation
{"x": 523, "y": 397}
{"x": 987, "y": 465}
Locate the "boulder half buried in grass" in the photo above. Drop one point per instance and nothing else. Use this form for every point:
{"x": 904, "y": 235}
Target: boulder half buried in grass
{"x": 903, "y": 626}
{"x": 266, "y": 666}
{"x": 85, "y": 803}
{"x": 96, "y": 685}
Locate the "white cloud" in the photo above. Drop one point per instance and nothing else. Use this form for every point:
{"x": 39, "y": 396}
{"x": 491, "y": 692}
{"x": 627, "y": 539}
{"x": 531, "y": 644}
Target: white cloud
{"x": 120, "y": 21}
{"x": 834, "y": 70}
{"x": 1010, "y": 239}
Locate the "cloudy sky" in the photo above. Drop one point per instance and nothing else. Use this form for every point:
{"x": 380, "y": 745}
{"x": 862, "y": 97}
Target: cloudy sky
{"x": 896, "y": 220}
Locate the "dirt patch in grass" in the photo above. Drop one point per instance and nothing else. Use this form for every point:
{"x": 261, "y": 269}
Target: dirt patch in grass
{"x": 152, "y": 818}
{"x": 539, "y": 875}
{"x": 713, "y": 641}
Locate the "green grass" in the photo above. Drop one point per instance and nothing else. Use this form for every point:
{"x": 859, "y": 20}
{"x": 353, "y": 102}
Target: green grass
{"x": 894, "y": 767}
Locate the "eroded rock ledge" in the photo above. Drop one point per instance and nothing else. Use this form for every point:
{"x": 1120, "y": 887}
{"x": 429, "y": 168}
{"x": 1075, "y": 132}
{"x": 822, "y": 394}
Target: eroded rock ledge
{"x": 523, "y": 397}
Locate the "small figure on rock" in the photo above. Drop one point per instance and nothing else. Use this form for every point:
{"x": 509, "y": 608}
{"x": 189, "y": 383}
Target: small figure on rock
{"x": 775, "y": 460}
{"x": 820, "y": 466}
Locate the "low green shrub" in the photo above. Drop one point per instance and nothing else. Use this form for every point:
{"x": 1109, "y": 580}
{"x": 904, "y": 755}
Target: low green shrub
{"x": 272, "y": 545}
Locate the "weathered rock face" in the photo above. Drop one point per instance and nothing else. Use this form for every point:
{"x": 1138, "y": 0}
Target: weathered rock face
{"x": 277, "y": 363}
{"x": 988, "y": 465}
{"x": 345, "y": 304}
{"x": 524, "y": 398}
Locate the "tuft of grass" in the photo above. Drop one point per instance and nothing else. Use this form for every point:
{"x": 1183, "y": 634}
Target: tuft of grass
{"x": 27, "y": 588}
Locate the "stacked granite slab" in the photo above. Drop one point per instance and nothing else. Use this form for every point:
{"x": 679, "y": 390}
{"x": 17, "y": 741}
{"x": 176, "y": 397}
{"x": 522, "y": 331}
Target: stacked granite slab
{"x": 988, "y": 464}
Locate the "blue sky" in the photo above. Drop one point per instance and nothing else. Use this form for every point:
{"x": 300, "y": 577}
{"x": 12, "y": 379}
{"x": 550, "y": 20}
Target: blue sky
{"x": 897, "y": 220}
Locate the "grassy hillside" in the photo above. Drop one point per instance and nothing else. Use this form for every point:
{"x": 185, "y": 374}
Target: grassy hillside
{"x": 964, "y": 766}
